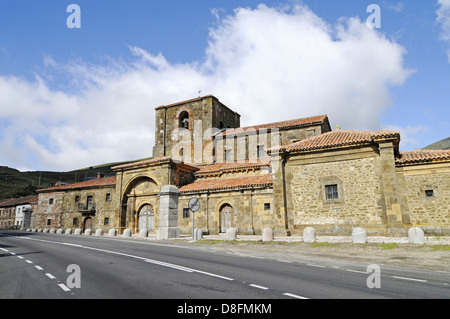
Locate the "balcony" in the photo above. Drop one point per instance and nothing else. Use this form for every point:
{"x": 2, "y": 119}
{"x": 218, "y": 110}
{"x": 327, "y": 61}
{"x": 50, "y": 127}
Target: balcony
{"x": 86, "y": 209}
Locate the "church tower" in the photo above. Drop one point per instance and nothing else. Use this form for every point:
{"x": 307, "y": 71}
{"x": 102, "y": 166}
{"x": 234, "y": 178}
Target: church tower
{"x": 184, "y": 130}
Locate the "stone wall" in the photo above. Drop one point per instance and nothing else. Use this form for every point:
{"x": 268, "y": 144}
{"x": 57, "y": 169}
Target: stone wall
{"x": 425, "y": 191}
{"x": 252, "y": 210}
{"x": 74, "y": 210}
{"x": 355, "y": 172}
{"x": 48, "y": 213}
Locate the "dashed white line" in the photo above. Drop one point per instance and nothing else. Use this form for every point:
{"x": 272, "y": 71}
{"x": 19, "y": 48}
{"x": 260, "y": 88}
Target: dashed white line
{"x": 38, "y": 267}
{"x": 49, "y": 275}
{"x": 411, "y": 279}
{"x": 29, "y": 261}
{"x": 294, "y": 296}
{"x": 64, "y": 287}
{"x": 313, "y": 265}
{"x": 20, "y": 257}
{"x": 357, "y": 271}
{"x": 259, "y": 287}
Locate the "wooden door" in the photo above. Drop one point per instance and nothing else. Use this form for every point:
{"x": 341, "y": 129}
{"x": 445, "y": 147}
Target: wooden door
{"x": 226, "y": 218}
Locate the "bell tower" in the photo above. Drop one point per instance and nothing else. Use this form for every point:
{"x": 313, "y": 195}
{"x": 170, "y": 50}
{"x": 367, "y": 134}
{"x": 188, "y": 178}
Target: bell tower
{"x": 184, "y": 130}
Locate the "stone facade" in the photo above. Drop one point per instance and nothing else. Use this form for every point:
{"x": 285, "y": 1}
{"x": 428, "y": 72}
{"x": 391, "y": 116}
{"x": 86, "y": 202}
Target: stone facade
{"x": 286, "y": 176}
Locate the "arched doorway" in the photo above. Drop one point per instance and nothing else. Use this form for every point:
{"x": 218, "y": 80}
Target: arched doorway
{"x": 87, "y": 224}
{"x": 226, "y": 218}
{"x": 146, "y": 218}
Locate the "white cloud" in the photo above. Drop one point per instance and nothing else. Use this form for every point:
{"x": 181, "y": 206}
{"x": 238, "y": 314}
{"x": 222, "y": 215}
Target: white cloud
{"x": 443, "y": 19}
{"x": 268, "y": 64}
{"x": 409, "y": 135}
{"x": 399, "y": 7}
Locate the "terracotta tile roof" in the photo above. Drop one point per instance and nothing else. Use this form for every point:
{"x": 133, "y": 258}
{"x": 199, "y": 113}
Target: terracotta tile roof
{"x": 422, "y": 156}
{"x": 336, "y": 139}
{"x": 19, "y": 201}
{"x": 228, "y": 183}
{"x": 302, "y": 122}
{"x": 231, "y": 167}
{"x": 98, "y": 182}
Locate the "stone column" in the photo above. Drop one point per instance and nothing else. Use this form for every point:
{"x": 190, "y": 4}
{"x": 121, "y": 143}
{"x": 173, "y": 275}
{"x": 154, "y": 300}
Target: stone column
{"x": 168, "y": 213}
{"x": 391, "y": 194}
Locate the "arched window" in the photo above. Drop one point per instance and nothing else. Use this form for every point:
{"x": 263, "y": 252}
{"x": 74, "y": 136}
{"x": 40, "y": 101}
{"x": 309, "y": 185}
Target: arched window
{"x": 184, "y": 120}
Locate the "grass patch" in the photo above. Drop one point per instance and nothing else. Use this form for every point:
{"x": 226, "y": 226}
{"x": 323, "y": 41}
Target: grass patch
{"x": 441, "y": 248}
{"x": 325, "y": 244}
{"x": 389, "y": 246}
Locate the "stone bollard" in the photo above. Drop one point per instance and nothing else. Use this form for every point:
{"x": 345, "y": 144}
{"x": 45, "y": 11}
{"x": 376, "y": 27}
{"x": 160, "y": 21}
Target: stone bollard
{"x": 99, "y": 232}
{"x": 416, "y": 236}
{"x": 112, "y": 232}
{"x": 127, "y": 232}
{"x": 78, "y": 231}
{"x": 60, "y": 231}
{"x": 198, "y": 234}
{"x": 52, "y": 231}
{"x": 143, "y": 233}
{"x": 68, "y": 231}
{"x": 267, "y": 234}
{"x": 309, "y": 235}
{"x": 231, "y": 234}
{"x": 88, "y": 232}
{"x": 168, "y": 213}
{"x": 359, "y": 235}
{"x": 45, "y": 230}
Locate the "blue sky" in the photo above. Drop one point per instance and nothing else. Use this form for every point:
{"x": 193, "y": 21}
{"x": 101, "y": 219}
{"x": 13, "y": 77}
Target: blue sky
{"x": 71, "y": 98}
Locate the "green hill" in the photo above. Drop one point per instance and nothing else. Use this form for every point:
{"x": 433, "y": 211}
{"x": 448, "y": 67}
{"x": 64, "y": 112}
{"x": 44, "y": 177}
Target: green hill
{"x": 441, "y": 145}
{"x": 14, "y": 183}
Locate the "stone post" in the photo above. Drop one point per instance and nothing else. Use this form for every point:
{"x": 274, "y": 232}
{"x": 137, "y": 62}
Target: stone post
{"x": 168, "y": 213}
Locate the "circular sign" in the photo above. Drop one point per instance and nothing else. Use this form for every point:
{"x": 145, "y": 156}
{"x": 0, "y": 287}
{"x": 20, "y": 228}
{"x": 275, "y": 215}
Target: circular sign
{"x": 194, "y": 204}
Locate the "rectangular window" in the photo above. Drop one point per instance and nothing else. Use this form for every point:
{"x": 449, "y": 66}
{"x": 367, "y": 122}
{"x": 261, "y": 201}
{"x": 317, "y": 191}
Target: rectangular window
{"x": 49, "y": 222}
{"x": 185, "y": 212}
{"x": 331, "y": 192}
{"x": 50, "y": 201}
{"x": 77, "y": 199}
{"x": 261, "y": 152}
{"x": 228, "y": 155}
{"x": 108, "y": 197}
{"x": 266, "y": 206}
{"x": 75, "y": 222}
{"x": 310, "y": 133}
{"x": 106, "y": 221}
{"x": 429, "y": 193}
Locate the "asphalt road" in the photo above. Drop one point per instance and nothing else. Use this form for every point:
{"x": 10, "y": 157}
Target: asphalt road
{"x": 35, "y": 265}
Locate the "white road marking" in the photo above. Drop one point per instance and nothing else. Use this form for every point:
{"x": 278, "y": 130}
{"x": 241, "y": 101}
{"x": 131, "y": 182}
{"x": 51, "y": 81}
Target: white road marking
{"x": 20, "y": 257}
{"x": 64, "y": 287}
{"x": 38, "y": 267}
{"x": 411, "y": 279}
{"x": 29, "y": 261}
{"x": 313, "y": 265}
{"x": 294, "y": 296}
{"x": 50, "y": 276}
{"x": 357, "y": 271}
{"x": 259, "y": 287}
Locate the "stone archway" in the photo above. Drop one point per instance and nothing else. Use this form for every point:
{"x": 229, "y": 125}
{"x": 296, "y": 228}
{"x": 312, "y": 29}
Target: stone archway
{"x": 138, "y": 191}
{"x": 146, "y": 218}
{"x": 226, "y": 217}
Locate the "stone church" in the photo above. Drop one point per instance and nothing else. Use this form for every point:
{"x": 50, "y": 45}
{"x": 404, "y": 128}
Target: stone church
{"x": 286, "y": 175}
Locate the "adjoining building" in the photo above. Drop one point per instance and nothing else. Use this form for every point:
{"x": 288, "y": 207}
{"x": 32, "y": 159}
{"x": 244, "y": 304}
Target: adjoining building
{"x": 17, "y": 212}
{"x": 286, "y": 175}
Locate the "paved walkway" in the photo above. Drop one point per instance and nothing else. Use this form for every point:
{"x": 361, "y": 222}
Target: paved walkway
{"x": 429, "y": 240}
